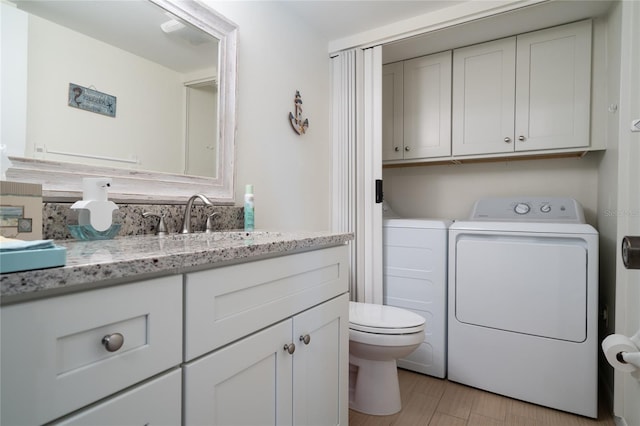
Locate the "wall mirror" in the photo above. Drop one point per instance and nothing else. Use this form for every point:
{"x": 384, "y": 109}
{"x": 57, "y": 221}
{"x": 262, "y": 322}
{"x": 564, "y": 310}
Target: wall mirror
{"x": 167, "y": 67}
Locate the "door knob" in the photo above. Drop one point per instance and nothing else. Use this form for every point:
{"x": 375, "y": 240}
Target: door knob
{"x": 305, "y": 339}
{"x": 291, "y": 348}
{"x": 631, "y": 252}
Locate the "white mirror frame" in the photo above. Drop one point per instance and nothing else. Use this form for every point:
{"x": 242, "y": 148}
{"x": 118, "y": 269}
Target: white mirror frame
{"x": 63, "y": 181}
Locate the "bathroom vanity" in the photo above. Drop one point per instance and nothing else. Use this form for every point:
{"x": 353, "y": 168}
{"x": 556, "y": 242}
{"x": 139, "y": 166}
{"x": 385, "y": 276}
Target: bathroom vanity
{"x": 223, "y": 328}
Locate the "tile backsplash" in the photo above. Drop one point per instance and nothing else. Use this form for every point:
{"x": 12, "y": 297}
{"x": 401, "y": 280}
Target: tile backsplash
{"x": 55, "y": 218}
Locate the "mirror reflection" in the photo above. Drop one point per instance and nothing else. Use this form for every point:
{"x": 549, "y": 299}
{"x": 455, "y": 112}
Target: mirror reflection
{"x": 160, "y": 72}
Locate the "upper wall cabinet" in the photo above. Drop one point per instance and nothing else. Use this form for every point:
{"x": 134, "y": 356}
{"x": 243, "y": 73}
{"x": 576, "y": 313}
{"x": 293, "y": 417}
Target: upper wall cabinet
{"x": 392, "y": 115}
{"x": 483, "y": 94}
{"x": 417, "y": 108}
{"x": 525, "y": 93}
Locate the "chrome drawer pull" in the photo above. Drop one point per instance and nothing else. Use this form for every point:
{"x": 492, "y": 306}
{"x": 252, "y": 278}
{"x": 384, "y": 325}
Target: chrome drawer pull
{"x": 113, "y": 342}
{"x": 306, "y": 339}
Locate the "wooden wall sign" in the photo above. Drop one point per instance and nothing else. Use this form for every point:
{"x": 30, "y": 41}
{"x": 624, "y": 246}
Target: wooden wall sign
{"x": 91, "y": 100}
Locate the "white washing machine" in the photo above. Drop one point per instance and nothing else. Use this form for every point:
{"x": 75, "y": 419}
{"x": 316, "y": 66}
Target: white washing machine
{"x": 523, "y": 300}
{"x": 415, "y": 278}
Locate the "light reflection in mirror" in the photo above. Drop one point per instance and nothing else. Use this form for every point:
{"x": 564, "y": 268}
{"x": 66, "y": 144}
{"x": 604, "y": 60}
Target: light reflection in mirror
{"x": 144, "y": 57}
{"x": 61, "y": 180}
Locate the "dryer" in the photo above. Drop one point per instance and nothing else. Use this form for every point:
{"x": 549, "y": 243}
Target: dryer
{"x": 523, "y": 300}
{"x": 415, "y": 278}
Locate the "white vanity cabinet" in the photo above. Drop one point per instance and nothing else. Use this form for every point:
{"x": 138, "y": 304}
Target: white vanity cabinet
{"x": 258, "y": 342}
{"x": 525, "y": 93}
{"x": 272, "y": 377}
{"x": 420, "y": 102}
{"x": 54, "y": 358}
{"x": 274, "y": 335}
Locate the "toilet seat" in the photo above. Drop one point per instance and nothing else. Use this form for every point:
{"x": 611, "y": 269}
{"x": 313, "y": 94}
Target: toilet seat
{"x": 382, "y": 319}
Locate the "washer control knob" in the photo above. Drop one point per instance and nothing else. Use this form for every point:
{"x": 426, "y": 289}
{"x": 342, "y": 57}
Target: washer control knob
{"x": 522, "y": 208}
{"x": 545, "y": 208}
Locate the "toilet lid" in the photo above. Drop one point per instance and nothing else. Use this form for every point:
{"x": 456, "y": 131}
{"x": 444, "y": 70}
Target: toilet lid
{"x": 382, "y": 319}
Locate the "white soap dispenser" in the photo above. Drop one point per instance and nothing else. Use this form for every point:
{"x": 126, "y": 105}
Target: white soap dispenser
{"x": 95, "y": 210}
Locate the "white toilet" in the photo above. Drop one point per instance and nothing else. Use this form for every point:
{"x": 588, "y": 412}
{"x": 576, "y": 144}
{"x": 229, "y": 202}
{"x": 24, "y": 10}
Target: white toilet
{"x": 378, "y": 336}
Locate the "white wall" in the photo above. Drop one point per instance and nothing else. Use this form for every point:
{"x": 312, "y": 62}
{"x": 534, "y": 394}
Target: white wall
{"x": 607, "y": 191}
{"x": 449, "y": 191}
{"x": 277, "y": 55}
{"x": 149, "y": 118}
{"x": 13, "y": 82}
{"x": 627, "y": 388}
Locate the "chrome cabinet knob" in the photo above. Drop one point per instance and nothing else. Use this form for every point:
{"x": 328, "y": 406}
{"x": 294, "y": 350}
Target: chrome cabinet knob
{"x": 507, "y": 139}
{"x": 406, "y": 148}
{"x": 291, "y": 348}
{"x": 305, "y": 339}
{"x": 521, "y": 138}
{"x": 113, "y": 342}
{"x": 396, "y": 149}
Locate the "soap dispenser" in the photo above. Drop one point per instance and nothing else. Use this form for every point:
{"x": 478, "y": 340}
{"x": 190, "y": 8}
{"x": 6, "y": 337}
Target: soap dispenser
{"x": 94, "y": 212}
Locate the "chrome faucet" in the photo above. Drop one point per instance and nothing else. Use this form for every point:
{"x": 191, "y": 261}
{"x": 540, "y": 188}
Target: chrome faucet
{"x": 186, "y": 221}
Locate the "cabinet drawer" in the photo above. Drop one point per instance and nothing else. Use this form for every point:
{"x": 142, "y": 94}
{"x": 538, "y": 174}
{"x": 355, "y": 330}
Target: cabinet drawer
{"x": 53, "y": 359}
{"x": 225, "y": 304}
{"x": 153, "y": 403}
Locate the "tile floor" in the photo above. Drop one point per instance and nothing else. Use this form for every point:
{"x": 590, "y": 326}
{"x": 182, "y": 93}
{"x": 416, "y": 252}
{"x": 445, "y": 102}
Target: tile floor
{"x": 428, "y": 401}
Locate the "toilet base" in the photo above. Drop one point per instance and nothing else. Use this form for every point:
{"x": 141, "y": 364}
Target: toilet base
{"x": 376, "y": 390}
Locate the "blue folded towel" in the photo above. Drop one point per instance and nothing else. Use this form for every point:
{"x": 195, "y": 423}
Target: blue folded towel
{"x": 12, "y": 245}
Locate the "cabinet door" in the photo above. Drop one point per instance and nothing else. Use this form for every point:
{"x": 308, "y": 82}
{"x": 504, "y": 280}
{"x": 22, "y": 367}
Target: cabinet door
{"x": 427, "y": 106}
{"x": 553, "y": 88}
{"x": 320, "y": 374}
{"x": 483, "y": 97}
{"x": 245, "y": 383}
{"x": 392, "y": 115}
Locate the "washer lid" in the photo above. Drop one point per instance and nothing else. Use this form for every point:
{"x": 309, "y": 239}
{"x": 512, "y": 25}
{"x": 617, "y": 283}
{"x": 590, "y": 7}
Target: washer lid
{"x": 382, "y": 319}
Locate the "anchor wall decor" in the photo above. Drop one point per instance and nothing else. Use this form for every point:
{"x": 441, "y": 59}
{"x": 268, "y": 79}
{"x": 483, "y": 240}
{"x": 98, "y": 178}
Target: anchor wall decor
{"x": 299, "y": 126}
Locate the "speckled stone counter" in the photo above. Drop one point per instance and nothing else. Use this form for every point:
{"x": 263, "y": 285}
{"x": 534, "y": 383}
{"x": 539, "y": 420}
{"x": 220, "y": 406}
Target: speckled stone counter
{"x": 55, "y": 218}
{"x": 92, "y": 264}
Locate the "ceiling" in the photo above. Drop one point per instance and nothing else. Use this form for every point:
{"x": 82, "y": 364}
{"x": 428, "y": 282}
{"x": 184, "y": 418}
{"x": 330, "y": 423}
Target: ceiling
{"x": 133, "y": 26}
{"x": 336, "y": 19}
{"x": 517, "y": 21}
{"x": 138, "y": 23}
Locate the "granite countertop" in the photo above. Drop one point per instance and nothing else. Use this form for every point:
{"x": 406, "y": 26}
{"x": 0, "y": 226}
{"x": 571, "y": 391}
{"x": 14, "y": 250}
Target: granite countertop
{"x": 92, "y": 264}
